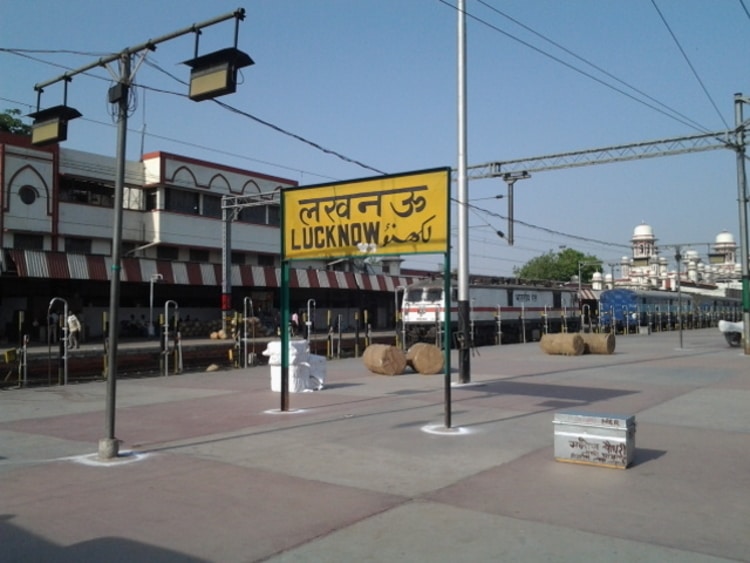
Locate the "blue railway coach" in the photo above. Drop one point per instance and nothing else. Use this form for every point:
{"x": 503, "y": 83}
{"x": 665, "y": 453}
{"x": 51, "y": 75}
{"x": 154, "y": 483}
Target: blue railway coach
{"x": 628, "y": 309}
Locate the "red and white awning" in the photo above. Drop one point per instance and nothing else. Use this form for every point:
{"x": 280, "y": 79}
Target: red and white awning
{"x": 59, "y": 265}
{"x": 589, "y": 294}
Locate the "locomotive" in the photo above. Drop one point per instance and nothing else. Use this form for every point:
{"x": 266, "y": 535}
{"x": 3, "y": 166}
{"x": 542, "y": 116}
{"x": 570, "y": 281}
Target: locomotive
{"x": 500, "y": 311}
{"x": 624, "y": 310}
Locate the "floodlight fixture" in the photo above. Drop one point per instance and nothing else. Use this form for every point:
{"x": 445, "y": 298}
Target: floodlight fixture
{"x": 51, "y": 124}
{"x": 215, "y": 74}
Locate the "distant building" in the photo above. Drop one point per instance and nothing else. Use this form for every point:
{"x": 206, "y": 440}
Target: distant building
{"x": 648, "y": 269}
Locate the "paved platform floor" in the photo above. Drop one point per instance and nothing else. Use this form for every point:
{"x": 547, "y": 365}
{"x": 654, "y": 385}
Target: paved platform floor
{"x": 365, "y": 470}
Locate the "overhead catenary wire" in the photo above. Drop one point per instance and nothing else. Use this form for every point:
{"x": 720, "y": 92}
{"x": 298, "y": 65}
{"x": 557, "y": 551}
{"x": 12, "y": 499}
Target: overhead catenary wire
{"x": 546, "y": 229}
{"x": 572, "y": 67}
{"x": 23, "y": 53}
{"x": 187, "y": 143}
{"x": 689, "y": 63}
{"x": 584, "y": 60}
{"x": 270, "y": 125}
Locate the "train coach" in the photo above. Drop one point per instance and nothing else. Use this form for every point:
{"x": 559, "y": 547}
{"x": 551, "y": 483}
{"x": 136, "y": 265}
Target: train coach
{"x": 499, "y": 312}
{"x": 625, "y": 310}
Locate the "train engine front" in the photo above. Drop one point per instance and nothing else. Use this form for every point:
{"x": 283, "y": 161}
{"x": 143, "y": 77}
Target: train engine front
{"x": 423, "y": 312}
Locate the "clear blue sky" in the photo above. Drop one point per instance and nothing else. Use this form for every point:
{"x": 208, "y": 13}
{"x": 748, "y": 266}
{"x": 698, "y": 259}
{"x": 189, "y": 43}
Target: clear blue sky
{"x": 375, "y": 81}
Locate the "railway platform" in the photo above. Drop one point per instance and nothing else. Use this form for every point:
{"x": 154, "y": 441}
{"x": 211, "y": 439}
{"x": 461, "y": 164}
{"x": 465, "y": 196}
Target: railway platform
{"x": 210, "y": 468}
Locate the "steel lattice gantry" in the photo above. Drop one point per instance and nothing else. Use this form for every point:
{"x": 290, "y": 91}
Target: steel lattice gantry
{"x": 511, "y": 170}
{"x": 618, "y": 153}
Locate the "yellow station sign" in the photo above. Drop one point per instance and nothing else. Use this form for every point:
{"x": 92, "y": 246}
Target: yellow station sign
{"x": 404, "y": 214}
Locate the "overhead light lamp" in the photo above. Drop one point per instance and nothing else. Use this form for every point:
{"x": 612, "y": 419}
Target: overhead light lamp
{"x": 215, "y": 74}
{"x": 51, "y": 124}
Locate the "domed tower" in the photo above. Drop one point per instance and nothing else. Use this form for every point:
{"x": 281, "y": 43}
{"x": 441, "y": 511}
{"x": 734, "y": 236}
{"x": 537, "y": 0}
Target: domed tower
{"x": 724, "y": 256}
{"x": 663, "y": 273}
{"x": 725, "y": 247}
{"x": 691, "y": 259}
{"x": 644, "y": 245}
{"x": 597, "y": 282}
{"x": 625, "y": 267}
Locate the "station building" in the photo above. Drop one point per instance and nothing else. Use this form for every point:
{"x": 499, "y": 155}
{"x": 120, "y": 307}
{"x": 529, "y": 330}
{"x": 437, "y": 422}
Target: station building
{"x": 56, "y": 232}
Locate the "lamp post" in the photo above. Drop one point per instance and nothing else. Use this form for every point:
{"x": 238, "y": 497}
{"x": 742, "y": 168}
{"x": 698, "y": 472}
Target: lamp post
{"x": 742, "y": 199}
{"x": 462, "y": 193}
{"x": 211, "y": 75}
{"x": 309, "y": 322}
{"x": 395, "y": 311}
{"x": 65, "y": 339}
{"x": 511, "y": 178}
{"x": 247, "y": 312}
{"x": 678, "y": 259}
{"x": 154, "y": 278}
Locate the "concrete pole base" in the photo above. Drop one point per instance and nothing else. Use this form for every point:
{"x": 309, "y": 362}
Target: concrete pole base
{"x": 109, "y": 448}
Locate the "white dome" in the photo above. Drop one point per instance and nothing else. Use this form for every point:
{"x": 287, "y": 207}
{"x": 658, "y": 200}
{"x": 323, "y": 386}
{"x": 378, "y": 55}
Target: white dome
{"x": 596, "y": 276}
{"x": 643, "y": 231}
{"x": 725, "y": 237}
{"x": 691, "y": 255}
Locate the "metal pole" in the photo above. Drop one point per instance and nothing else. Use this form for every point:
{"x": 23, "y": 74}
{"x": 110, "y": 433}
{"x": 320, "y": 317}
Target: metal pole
{"x": 226, "y": 260}
{"x": 150, "y": 44}
{"x": 66, "y": 342}
{"x": 398, "y": 317}
{"x": 511, "y": 219}
{"x": 151, "y": 307}
{"x": 309, "y": 322}
{"x": 464, "y": 362}
{"x": 742, "y": 201}
{"x": 65, "y": 334}
{"x": 678, "y": 257}
{"x": 166, "y": 331}
{"x": 284, "y": 405}
{"x": 154, "y": 277}
{"x": 245, "y": 302}
{"x": 110, "y": 445}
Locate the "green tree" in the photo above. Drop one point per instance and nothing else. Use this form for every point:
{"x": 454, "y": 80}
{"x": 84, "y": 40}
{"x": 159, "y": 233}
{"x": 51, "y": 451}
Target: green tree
{"x": 559, "y": 266}
{"x": 10, "y": 123}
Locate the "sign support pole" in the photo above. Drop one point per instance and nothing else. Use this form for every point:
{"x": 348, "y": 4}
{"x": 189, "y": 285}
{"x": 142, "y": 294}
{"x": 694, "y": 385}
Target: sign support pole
{"x": 447, "y": 337}
{"x": 284, "y": 336}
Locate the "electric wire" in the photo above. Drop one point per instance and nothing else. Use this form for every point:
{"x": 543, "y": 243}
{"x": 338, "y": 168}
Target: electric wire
{"x": 546, "y": 229}
{"x": 184, "y": 143}
{"x": 596, "y": 67}
{"x": 689, "y": 63}
{"x": 133, "y": 106}
{"x": 271, "y": 125}
{"x": 574, "y": 68}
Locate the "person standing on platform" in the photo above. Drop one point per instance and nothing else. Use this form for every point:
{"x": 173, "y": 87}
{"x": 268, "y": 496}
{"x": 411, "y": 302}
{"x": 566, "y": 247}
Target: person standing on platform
{"x": 295, "y": 323}
{"x": 74, "y": 331}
